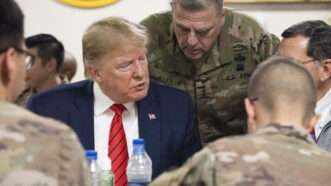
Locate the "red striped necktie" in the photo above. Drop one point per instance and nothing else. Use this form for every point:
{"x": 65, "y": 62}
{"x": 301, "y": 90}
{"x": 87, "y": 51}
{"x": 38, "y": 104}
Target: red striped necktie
{"x": 117, "y": 146}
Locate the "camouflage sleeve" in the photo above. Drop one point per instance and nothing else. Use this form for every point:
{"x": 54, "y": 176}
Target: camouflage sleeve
{"x": 263, "y": 43}
{"x": 158, "y": 30}
{"x": 150, "y": 23}
{"x": 274, "y": 42}
{"x": 199, "y": 170}
{"x": 73, "y": 165}
{"x": 267, "y": 46}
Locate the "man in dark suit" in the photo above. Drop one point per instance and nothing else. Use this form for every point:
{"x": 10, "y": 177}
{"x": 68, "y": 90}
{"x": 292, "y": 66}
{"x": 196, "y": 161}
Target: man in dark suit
{"x": 115, "y": 58}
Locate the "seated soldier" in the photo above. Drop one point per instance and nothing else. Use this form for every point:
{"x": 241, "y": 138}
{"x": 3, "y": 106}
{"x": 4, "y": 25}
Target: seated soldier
{"x": 33, "y": 150}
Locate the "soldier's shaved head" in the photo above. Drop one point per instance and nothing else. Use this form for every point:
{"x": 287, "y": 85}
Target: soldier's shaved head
{"x": 282, "y": 87}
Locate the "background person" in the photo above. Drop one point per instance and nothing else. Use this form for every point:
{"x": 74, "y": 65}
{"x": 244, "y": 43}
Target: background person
{"x": 309, "y": 43}
{"x": 69, "y": 67}
{"x": 43, "y": 71}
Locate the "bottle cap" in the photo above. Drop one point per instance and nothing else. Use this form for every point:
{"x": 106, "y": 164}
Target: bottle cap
{"x": 91, "y": 154}
{"x": 138, "y": 146}
{"x": 138, "y": 141}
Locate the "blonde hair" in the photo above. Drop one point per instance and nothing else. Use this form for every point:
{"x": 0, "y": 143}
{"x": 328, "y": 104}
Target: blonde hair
{"x": 110, "y": 34}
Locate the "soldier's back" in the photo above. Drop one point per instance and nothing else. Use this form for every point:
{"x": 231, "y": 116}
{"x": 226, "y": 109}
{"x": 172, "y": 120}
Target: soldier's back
{"x": 267, "y": 158}
{"x": 38, "y": 151}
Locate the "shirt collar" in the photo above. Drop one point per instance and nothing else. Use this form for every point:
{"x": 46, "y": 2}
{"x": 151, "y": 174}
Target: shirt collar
{"x": 102, "y": 102}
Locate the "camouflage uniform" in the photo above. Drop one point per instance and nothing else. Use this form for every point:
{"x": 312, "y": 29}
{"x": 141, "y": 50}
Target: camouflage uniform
{"x": 23, "y": 98}
{"x": 36, "y": 151}
{"x": 275, "y": 156}
{"x": 218, "y": 81}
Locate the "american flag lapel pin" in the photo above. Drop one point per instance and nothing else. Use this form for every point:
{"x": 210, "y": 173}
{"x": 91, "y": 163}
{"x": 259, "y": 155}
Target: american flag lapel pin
{"x": 151, "y": 116}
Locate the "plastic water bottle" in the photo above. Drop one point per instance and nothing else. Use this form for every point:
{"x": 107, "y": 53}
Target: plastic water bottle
{"x": 92, "y": 157}
{"x": 139, "y": 170}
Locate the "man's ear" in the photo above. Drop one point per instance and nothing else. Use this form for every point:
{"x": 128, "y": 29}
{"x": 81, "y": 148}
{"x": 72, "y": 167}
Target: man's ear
{"x": 51, "y": 65}
{"x": 93, "y": 73}
{"x": 251, "y": 115}
{"x": 7, "y": 66}
{"x": 325, "y": 73}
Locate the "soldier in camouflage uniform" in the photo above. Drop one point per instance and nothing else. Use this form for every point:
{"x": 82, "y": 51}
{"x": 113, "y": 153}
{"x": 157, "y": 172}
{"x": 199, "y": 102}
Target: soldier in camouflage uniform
{"x": 38, "y": 151}
{"x": 34, "y": 151}
{"x": 281, "y": 151}
{"x": 209, "y": 52}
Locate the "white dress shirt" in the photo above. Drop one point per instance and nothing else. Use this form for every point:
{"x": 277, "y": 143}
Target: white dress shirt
{"x": 323, "y": 107}
{"x": 103, "y": 116}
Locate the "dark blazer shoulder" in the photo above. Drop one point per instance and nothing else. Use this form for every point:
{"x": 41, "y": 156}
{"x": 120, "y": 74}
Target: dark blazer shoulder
{"x": 62, "y": 95}
{"x": 71, "y": 104}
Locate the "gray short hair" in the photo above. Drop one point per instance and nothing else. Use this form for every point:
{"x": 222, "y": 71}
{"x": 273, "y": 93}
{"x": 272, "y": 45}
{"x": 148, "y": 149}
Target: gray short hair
{"x": 196, "y": 5}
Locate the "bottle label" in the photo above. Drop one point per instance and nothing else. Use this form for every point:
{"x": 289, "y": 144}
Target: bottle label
{"x": 106, "y": 178}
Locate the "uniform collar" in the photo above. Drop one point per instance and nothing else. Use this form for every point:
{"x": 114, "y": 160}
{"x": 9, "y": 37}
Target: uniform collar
{"x": 287, "y": 130}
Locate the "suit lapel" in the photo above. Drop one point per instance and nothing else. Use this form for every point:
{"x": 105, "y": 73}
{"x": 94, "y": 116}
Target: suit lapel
{"x": 82, "y": 116}
{"x": 150, "y": 126}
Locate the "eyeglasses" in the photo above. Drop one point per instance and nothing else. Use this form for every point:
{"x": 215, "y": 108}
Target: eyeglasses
{"x": 29, "y": 59}
{"x": 310, "y": 61}
{"x": 253, "y": 99}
